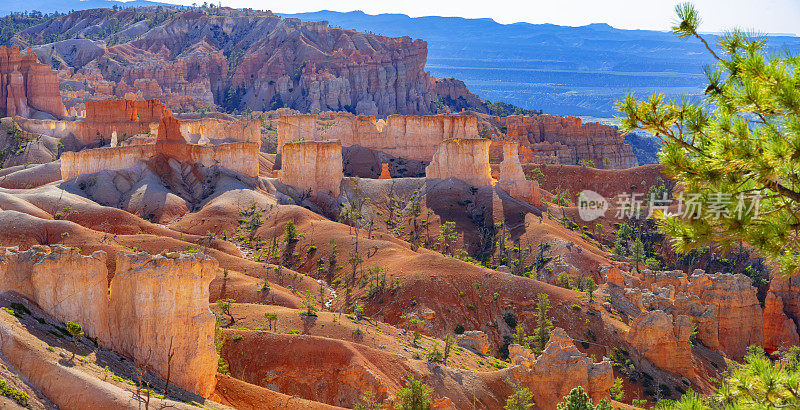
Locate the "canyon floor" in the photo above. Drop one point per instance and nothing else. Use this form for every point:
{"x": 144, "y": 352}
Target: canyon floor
{"x": 362, "y": 339}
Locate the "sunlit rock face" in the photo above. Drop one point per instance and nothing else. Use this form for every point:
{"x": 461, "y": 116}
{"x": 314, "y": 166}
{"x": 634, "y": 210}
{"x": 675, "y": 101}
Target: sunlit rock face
{"x": 568, "y": 141}
{"x": 414, "y": 137}
{"x": 152, "y": 303}
{"x": 28, "y": 88}
{"x": 464, "y": 158}
{"x": 312, "y": 166}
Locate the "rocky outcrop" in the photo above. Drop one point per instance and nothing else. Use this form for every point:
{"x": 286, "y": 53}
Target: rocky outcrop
{"x": 169, "y": 130}
{"x": 454, "y": 94}
{"x": 612, "y": 275}
{"x": 412, "y": 137}
{"x": 161, "y": 302}
{"x": 571, "y": 141}
{"x": 562, "y": 367}
{"x": 154, "y": 302}
{"x": 787, "y": 289}
{"x": 27, "y": 88}
{"x": 779, "y": 330}
{"x": 312, "y": 167}
{"x": 464, "y": 159}
{"x": 203, "y": 61}
{"x": 39, "y": 274}
{"x": 512, "y": 178}
{"x": 216, "y": 130}
{"x": 126, "y": 118}
{"x": 737, "y": 315}
{"x": 475, "y": 340}
{"x": 664, "y": 341}
{"x": 241, "y": 157}
{"x": 385, "y": 172}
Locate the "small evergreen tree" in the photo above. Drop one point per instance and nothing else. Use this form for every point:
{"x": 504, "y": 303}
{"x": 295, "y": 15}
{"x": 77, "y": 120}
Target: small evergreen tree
{"x": 272, "y": 320}
{"x": 76, "y": 331}
{"x": 225, "y": 308}
{"x": 367, "y": 402}
{"x": 520, "y": 337}
{"x": 309, "y": 304}
{"x": 520, "y": 399}
{"x": 544, "y": 324}
{"x": 590, "y": 287}
{"x": 447, "y": 237}
{"x": 290, "y": 232}
{"x": 637, "y": 253}
{"x": 449, "y": 341}
{"x": 415, "y": 396}
{"x": 617, "y": 391}
{"x": 579, "y": 400}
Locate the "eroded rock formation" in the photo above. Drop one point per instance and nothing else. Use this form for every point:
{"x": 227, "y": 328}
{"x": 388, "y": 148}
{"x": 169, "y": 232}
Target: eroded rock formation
{"x": 512, "y": 178}
{"x": 214, "y": 129}
{"x": 456, "y": 95}
{"x": 241, "y": 157}
{"x": 570, "y": 141}
{"x": 779, "y": 330}
{"x": 160, "y": 301}
{"x": 413, "y": 137}
{"x": 312, "y": 166}
{"x": 465, "y": 159}
{"x": 787, "y": 291}
{"x": 125, "y": 117}
{"x": 385, "y": 172}
{"x": 155, "y": 302}
{"x": 560, "y": 368}
{"x": 721, "y": 304}
{"x": 307, "y": 66}
{"x": 27, "y": 87}
{"x": 475, "y": 340}
{"x": 663, "y": 340}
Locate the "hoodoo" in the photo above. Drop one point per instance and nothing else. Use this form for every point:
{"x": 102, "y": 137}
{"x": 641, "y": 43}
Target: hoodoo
{"x": 28, "y": 88}
{"x": 312, "y": 167}
{"x": 465, "y": 159}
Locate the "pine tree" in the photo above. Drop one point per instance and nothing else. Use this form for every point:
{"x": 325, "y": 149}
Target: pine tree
{"x": 415, "y": 396}
{"x": 590, "y": 286}
{"x": 76, "y": 331}
{"x": 637, "y": 253}
{"x": 579, "y": 400}
{"x": 737, "y": 151}
{"x": 544, "y": 324}
{"x": 520, "y": 399}
{"x": 309, "y": 304}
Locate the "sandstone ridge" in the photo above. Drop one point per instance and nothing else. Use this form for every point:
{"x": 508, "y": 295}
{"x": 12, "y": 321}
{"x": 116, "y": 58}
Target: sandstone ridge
{"x": 27, "y": 88}
{"x": 154, "y": 302}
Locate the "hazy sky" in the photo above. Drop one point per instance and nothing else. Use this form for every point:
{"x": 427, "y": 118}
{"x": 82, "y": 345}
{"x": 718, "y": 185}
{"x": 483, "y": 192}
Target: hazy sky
{"x": 773, "y": 16}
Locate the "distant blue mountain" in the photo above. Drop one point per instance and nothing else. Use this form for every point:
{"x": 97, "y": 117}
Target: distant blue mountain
{"x": 64, "y": 6}
{"x": 561, "y": 70}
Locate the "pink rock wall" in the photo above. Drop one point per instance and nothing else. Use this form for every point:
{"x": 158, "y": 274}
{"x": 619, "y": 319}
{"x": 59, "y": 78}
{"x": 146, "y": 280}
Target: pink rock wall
{"x": 414, "y": 137}
{"x": 212, "y": 128}
{"x": 241, "y": 157}
{"x": 465, "y": 159}
{"x": 512, "y": 178}
{"x": 26, "y": 85}
{"x": 153, "y": 301}
{"x": 126, "y": 117}
{"x": 664, "y": 341}
{"x": 738, "y": 314}
{"x": 570, "y": 140}
{"x": 314, "y": 166}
